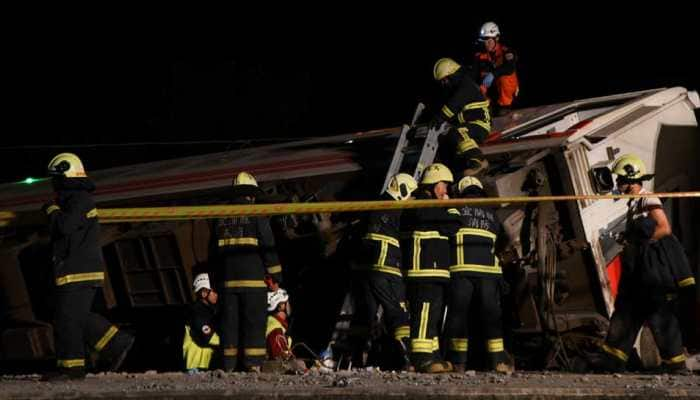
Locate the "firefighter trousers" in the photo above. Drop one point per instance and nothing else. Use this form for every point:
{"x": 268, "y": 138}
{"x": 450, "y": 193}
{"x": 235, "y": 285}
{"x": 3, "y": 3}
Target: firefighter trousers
{"x": 627, "y": 320}
{"x": 243, "y": 322}
{"x": 483, "y": 297}
{"x": 426, "y": 306}
{"x": 76, "y": 328}
{"x": 389, "y": 292}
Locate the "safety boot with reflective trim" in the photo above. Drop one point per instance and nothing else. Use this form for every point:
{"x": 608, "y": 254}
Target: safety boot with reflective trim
{"x": 501, "y": 362}
{"x": 435, "y": 367}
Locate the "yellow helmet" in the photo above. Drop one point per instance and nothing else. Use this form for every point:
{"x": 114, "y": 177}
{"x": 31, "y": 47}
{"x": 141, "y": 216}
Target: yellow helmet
{"x": 445, "y": 67}
{"x": 468, "y": 181}
{"x": 631, "y": 167}
{"x": 244, "y": 184}
{"x": 401, "y": 186}
{"x": 68, "y": 165}
{"x": 436, "y": 173}
{"x": 244, "y": 178}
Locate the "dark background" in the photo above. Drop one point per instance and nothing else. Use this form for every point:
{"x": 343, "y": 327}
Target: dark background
{"x": 81, "y": 79}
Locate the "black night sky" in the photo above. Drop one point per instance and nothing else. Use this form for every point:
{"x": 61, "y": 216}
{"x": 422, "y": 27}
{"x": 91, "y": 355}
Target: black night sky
{"x": 132, "y": 77}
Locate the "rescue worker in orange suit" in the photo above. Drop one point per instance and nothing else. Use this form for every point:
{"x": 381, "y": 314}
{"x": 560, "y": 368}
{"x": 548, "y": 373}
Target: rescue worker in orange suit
{"x": 426, "y": 262}
{"x": 384, "y": 282}
{"x": 78, "y": 272}
{"x": 475, "y": 280}
{"x": 654, "y": 270}
{"x": 278, "y": 343}
{"x": 467, "y": 111}
{"x": 244, "y": 249}
{"x": 495, "y": 69}
{"x": 201, "y": 340}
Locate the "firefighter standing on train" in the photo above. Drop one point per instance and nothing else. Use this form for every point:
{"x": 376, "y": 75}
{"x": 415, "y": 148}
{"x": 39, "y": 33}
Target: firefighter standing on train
{"x": 467, "y": 111}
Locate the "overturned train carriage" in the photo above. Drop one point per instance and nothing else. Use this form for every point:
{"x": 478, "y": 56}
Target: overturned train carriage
{"x": 562, "y": 267}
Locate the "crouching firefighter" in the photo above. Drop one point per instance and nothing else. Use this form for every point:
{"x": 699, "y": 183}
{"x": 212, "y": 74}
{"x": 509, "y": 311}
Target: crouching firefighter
{"x": 385, "y": 285}
{"x": 426, "y": 262}
{"x": 201, "y": 339}
{"x": 654, "y": 270}
{"x": 475, "y": 281}
{"x": 245, "y": 251}
{"x": 78, "y": 272}
{"x": 467, "y": 111}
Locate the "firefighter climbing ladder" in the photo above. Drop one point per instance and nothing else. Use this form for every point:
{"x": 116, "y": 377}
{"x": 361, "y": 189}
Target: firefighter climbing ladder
{"x": 408, "y": 141}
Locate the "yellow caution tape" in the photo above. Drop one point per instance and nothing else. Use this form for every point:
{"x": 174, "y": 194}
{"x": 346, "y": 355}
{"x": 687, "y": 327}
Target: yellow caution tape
{"x": 145, "y": 214}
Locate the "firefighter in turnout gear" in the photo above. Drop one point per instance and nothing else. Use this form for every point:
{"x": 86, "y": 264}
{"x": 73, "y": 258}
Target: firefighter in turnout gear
{"x": 467, "y": 112}
{"x": 426, "y": 262}
{"x": 384, "y": 282}
{"x": 654, "y": 271}
{"x": 495, "y": 69}
{"x": 201, "y": 339}
{"x": 78, "y": 272}
{"x": 476, "y": 279}
{"x": 244, "y": 251}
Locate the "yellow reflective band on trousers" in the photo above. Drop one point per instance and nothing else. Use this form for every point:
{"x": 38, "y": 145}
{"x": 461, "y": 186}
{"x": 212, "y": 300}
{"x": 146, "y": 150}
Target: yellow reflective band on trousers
{"x": 436, "y": 343}
{"x": 402, "y": 332}
{"x": 275, "y": 269}
{"x": 486, "y": 269}
{"x": 686, "y": 282}
{"x": 382, "y": 238}
{"x": 424, "y": 315}
{"x": 676, "y": 359}
{"x": 494, "y": 345}
{"x": 465, "y": 145}
{"x": 244, "y": 241}
{"x": 485, "y": 125}
{"x": 387, "y": 270}
{"x": 459, "y": 344}
{"x": 255, "y": 351}
{"x": 92, "y": 213}
{"x": 447, "y": 112}
{"x": 617, "y": 353}
{"x": 245, "y": 284}
{"x": 421, "y": 345}
{"x": 230, "y": 352}
{"x": 106, "y": 338}
{"x": 195, "y": 356}
{"x": 71, "y": 363}
{"x": 84, "y": 277}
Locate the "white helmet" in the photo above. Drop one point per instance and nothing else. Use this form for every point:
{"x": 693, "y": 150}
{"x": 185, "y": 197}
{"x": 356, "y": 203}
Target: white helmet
{"x": 201, "y": 281}
{"x": 489, "y": 30}
{"x": 275, "y": 298}
{"x": 401, "y": 186}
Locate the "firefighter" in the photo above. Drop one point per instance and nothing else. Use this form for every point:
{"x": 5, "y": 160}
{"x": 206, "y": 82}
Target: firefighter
{"x": 654, "y": 270}
{"x": 475, "y": 280}
{"x": 244, "y": 249}
{"x": 278, "y": 343}
{"x": 78, "y": 272}
{"x": 495, "y": 69}
{"x": 426, "y": 262}
{"x": 385, "y": 285}
{"x": 467, "y": 112}
{"x": 201, "y": 338}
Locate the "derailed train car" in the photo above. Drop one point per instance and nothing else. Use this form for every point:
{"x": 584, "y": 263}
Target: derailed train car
{"x": 562, "y": 266}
